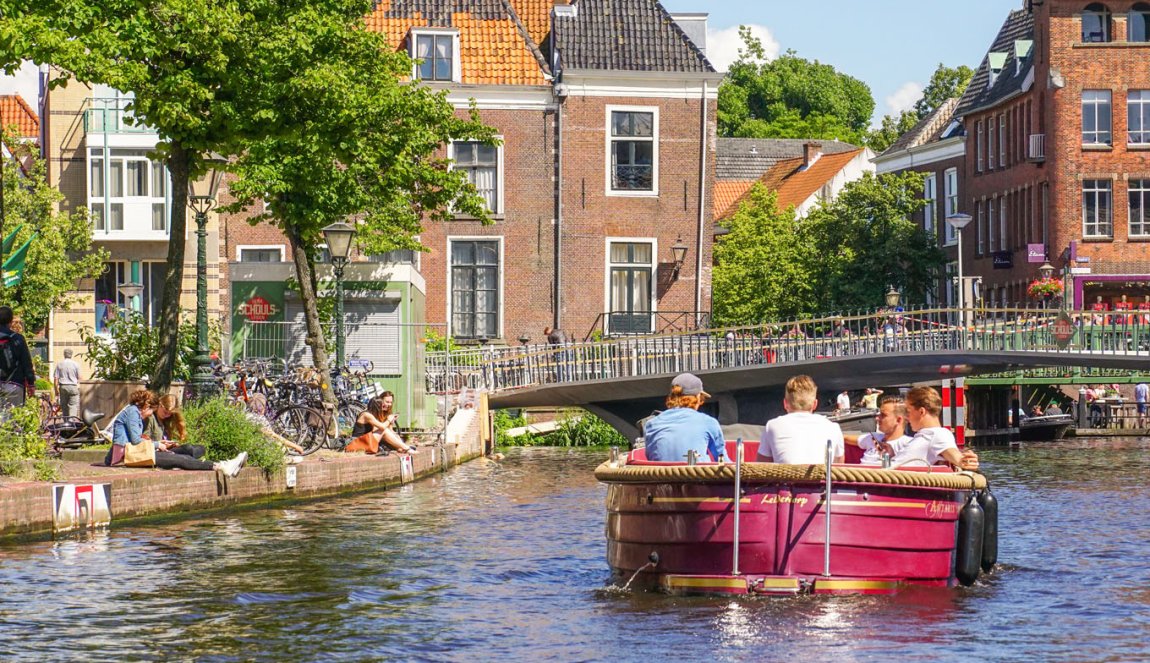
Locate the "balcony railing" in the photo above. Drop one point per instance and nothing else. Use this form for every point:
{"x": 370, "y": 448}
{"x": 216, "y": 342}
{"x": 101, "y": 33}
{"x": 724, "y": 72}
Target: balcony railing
{"x": 1037, "y": 148}
{"x": 110, "y": 115}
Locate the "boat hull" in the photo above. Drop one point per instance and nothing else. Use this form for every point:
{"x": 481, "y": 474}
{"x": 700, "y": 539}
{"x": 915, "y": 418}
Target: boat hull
{"x": 1043, "y": 429}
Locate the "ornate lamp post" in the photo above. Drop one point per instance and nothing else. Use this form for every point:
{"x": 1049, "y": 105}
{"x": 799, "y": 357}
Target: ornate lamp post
{"x": 338, "y": 237}
{"x": 129, "y": 291}
{"x": 202, "y": 199}
{"x": 1045, "y": 272}
{"x": 678, "y": 255}
{"x": 893, "y": 296}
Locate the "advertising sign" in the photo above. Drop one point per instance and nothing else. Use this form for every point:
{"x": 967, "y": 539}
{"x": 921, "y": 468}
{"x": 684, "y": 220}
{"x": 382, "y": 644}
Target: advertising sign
{"x": 76, "y": 506}
{"x": 1035, "y": 253}
{"x": 1003, "y": 260}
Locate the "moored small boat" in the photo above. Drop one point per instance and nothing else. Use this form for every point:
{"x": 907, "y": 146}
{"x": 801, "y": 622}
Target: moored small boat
{"x": 1044, "y": 428}
{"x": 676, "y": 527}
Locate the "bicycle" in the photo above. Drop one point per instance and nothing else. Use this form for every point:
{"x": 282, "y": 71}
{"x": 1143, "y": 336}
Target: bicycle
{"x": 62, "y": 431}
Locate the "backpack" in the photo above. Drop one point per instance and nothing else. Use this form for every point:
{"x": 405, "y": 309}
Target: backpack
{"x": 8, "y": 363}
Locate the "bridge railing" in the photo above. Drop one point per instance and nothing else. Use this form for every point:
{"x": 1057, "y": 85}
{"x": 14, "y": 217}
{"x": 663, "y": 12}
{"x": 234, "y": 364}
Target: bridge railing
{"x": 884, "y": 331}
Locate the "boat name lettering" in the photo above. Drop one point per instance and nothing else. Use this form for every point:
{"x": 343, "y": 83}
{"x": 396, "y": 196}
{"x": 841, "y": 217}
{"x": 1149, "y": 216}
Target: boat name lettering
{"x": 784, "y": 499}
{"x": 937, "y": 508}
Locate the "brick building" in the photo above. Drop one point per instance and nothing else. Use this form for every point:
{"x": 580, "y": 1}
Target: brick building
{"x": 936, "y": 147}
{"x": 606, "y": 112}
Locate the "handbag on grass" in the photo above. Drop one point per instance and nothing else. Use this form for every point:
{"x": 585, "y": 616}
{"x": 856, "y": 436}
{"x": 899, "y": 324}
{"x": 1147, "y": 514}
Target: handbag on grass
{"x": 141, "y": 454}
{"x": 368, "y": 442}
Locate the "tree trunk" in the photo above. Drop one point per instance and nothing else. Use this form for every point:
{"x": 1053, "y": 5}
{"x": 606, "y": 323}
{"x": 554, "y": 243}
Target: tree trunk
{"x": 307, "y": 290}
{"x": 178, "y": 164}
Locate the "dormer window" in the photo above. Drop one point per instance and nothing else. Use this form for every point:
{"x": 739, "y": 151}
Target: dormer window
{"x": 436, "y": 55}
{"x": 1095, "y": 23}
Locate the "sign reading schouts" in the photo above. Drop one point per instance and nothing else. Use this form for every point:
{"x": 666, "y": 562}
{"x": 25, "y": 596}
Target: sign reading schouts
{"x": 1063, "y": 330}
{"x": 258, "y": 309}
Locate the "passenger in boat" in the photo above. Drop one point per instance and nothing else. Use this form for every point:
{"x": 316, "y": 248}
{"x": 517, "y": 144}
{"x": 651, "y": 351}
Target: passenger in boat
{"x": 931, "y": 443}
{"x": 843, "y": 402}
{"x": 800, "y": 436}
{"x": 870, "y": 400}
{"x": 1053, "y": 409}
{"x": 891, "y": 435}
{"x": 681, "y": 427}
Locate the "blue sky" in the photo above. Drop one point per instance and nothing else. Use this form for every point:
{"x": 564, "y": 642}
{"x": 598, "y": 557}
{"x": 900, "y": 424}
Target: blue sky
{"x": 891, "y": 45}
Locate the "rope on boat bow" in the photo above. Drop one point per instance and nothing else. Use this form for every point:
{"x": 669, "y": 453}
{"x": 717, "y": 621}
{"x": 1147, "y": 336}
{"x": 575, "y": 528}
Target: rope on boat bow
{"x": 759, "y": 473}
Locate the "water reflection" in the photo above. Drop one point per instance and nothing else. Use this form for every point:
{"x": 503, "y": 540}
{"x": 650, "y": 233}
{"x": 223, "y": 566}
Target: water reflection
{"x": 506, "y": 560}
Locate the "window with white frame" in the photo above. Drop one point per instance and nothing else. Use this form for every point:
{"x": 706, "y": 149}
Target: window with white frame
{"x": 436, "y": 55}
{"x": 990, "y": 143}
{"x": 481, "y": 163}
{"x": 631, "y": 270}
{"x": 930, "y": 211}
{"x": 260, "y": 253}
{"x": 980, "y": 228}
{"x": 978, "y": 145}
{"x": 126, "y": 177}
{"x": 950, "y": 190}
{"x": 1003, "y": 245}
{"x": 1002, "y": 140}
{"x": 1095, "y": 23}
{"x": 633, "y": 150}
{"x": 1139, "y": 191}
{"x": 475, "y": 288}
{"x": 1096, "y": 117}
{"x": 1138, "y": 117}
{"x": 992, "y": 224}
{"x": 1097, "y": 213}
{"x": 111, "y": 303}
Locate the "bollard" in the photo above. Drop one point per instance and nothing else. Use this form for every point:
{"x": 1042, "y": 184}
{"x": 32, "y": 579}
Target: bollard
{"x": 1083, "y": 410}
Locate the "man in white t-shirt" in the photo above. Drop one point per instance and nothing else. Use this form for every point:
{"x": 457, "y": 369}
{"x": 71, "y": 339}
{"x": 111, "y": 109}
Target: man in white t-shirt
{"x": 843, "y": 402}
{"x": 931, "y": 443}
{"x": 800, "y": 436}
{"x": 891, "y": 436}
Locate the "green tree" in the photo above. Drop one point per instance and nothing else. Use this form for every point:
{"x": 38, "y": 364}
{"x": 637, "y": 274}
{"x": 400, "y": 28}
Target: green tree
{"x": 892, "y": 127}
{"x": 354, "y": 141}
{"x": 61, "y": 250}
{"x": 945, "y": 83}
{"x": 867, "y": 242}
{"x": 763, "y": 265}
{"x": 176, "y": 58}
{"x": 790, "y": 97}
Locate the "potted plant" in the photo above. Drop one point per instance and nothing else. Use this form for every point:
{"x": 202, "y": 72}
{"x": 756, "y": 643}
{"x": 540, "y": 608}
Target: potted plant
{"x": 1045, "y": 289}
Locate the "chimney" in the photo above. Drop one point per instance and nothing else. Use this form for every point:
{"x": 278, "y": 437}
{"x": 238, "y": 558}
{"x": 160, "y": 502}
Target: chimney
{"x": 811, "y": 153}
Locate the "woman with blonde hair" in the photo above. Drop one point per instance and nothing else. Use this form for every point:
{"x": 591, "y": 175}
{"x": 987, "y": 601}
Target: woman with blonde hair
{"x": 681, "y": 427}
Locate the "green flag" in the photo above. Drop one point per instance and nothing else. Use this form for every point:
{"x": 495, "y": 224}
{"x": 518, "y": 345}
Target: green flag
{"x": 6, "y": 246}
{"x": 14, "y": 265}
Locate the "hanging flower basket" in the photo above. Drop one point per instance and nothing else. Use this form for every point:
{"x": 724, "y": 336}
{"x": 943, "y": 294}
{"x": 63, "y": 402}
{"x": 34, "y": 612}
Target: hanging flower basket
{"x": 1044, "y": 288}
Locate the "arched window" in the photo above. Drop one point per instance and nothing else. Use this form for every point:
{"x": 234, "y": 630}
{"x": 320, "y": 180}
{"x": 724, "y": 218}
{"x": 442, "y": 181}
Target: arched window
{"x": 1095, "y": 23}
{"x": 1138, "y": 23}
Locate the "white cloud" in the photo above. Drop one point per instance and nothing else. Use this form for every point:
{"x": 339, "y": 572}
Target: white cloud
{"x": 24, "y": 82}
{"x": 904, "y": 98}
{"x": 723, "y": 45}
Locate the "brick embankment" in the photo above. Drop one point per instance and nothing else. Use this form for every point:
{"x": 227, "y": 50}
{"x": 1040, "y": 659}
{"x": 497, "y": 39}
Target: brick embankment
{"x": 26, "y": 508}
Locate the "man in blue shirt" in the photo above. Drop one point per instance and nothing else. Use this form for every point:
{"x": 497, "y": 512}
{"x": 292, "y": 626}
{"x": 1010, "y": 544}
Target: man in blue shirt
{"x": 681, "y": 427}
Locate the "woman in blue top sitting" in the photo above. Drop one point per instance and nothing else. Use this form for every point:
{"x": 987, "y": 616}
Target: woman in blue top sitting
{"x": 128, "y": 428}
{"x": 681, "y": 427}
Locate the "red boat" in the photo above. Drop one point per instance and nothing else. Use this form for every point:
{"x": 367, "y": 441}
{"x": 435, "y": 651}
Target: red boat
{"x": 675, "y": 526}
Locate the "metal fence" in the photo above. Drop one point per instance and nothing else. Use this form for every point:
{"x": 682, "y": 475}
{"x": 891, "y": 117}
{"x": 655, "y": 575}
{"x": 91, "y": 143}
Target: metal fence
{"x": 875, "y": 332}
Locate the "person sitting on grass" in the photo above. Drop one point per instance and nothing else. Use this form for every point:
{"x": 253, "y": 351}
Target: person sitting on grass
{"x": 128, "y": 428}
{"x": 379, "y": 420}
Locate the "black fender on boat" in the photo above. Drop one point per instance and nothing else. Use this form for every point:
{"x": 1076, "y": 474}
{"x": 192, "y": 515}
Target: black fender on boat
{"x": 968, "y": 552}
{"x": 989, "y": 504}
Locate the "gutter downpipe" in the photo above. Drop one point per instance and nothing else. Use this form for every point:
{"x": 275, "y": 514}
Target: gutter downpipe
{"x": 702, "y": 207}
{"x": 558, "y": 294}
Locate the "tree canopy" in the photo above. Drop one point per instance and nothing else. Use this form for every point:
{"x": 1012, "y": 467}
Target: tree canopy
{"x": 60, "y": 252}
{"x": 790, "y": 97}
{"x": 944, "y": 84}
{"x": 845, "y": 254}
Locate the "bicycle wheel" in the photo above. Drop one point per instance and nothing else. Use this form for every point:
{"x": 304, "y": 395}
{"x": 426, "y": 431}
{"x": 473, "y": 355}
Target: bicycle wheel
{"x": 349, "y": 411}
{"x": 301, "y": 425}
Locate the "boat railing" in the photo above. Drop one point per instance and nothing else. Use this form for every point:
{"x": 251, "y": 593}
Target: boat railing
{"x": 827, "y": 511}
{"x": 737, "y": 498}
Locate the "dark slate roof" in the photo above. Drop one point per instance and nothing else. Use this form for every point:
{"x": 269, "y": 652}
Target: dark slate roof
{"x": 980, "y": 93}
{"x": 928, "y": 130}
{"x": 625, "y": 35}
{"x": 749, "y": 158}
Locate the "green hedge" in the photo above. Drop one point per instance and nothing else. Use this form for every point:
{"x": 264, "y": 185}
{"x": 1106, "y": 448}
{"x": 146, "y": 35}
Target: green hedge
{"x": 226, "y": 431}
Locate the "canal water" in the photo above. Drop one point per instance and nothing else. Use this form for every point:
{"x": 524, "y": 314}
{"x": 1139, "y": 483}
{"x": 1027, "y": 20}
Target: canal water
{"x": 505, "y": 561}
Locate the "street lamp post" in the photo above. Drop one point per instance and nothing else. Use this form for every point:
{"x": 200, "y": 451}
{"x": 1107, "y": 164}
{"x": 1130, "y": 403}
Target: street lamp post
{"x": 338, "y": 237}
{"x": 1045, "y": 272}
{"x": 892, "y": 297}
{"x": 202, "y": 199}
{"x": 958, "y": 221}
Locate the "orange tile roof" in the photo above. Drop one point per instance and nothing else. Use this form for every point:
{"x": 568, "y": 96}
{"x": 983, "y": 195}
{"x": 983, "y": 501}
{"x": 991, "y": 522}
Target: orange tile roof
{"x": 727, "y": 194}
{"x": 492, "y": 51}
{"x": 15, "y": 111}
{"x": 793, "y": 186}
{"x": 536, "y": 16}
